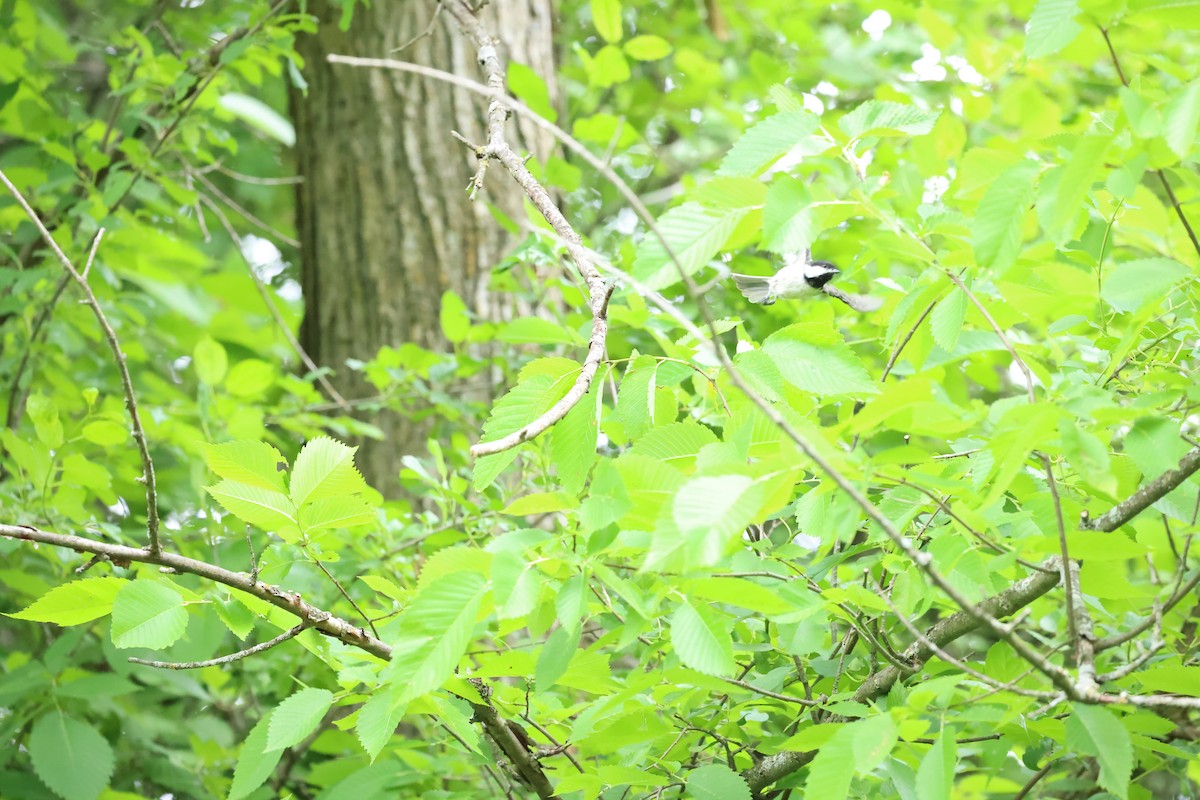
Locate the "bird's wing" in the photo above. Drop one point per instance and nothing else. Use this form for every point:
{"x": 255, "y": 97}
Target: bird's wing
{"x": 858, "y": 302}
{"x": 756, "y": 288}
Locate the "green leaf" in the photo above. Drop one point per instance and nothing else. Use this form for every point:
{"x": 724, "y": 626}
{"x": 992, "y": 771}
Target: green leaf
{"x": 255, "y": 763}
{"x": 336, "y": 512}
{"x": 635, "y": 397}
{"x": 297, "y": 717}
{"x": 147, "y": 614}
{"x": 731, "y": 193}
{"x": 718, "y": 506}
{"x": 882, "y": 118}
{"x": 1096, "y": 731}
{"x": 105, "y": 433}
{"x": 812, "y": 357}
{"x": 677, "y": 444}
{"x": 455, "y": 319}
{"x": 996, "y": 228}
{"x": 521, "y": 405}
{"x": 325, "y": 469}
{"x": 606, "y": 14}
{"x": 535, "y": 330}
{"x": 946, "y": 322}
{"x": 650, "y": 485}
{"x": 647, "y": 48}
{"x": 764, "y": 143}
{"x": 1074, "y": 185}
{"x": 264, "y": 508}
{"x": 210, "y": 361}
{"x": 1182, "y": 117}
{"x": 556, "y": 656}
{"x": 1134, "y": 284}
{"x": 573, "y": 446}
{"x": 695, "y": 234}
{"x": 787, "y": 218}
{"x": 1051, "y": 27}
{"x": 874, "y": 739}
{"x": 74, "y": 603}
{"x": 378, "y": 718}
{"x": 249, "y": 462}
{"x": 935, "y": 776}
{"x": 435, "y": 632}
{"x": 259, "y": 116}
{"x": 530, "y": 88}
{"x": 716, "y": 782}
{"x": 701, "y": 639}
{"x": 540, "y": 503}
{"x": 831, "y": 770}
{"x": 70, "y": 757}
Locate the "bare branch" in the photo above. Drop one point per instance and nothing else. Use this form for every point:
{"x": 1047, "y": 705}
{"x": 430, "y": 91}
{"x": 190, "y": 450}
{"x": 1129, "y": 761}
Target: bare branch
{"x": 1147, "y": 495}
{"x": 139, "y": 434}
{"x": 229, "y": 659}
{"x": 499, "y": 149}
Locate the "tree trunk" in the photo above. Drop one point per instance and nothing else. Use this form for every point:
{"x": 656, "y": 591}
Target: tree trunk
{"x": 383, "y": 216}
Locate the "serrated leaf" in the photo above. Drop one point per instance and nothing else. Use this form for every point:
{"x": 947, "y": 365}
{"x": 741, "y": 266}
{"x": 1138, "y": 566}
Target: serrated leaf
{"x": 324, "y": 469}
{"x": 265, "y": 508}
{"x": 210, "y": 361}
{"x": 147, "y": 614}
{"x": 517, "y": 408}
{"x": 556, "y": 656}
{"x": 70, "y": 757}
{"x": 874, "y": 739}
{"x": 695, "y": 234}
{"x": 452, "y": 560}
{"x": 606, "y": 15}
{"x": 336, "y": 512}
{"x": 701, "y": 639}
{"x": 1096, "y": 731}
{"x": 435, "y": 632}
{"x": 74, "y": 603}
{"x": 996, "y": 227}
{"x": 540, "y": 503}
{"x": 1051, "y": 27}
{"x": 1134, "y": 284}
{"x": 255, "y": 764}
{"x": 831, "y": 770}
{"x": 649, "y": 484}
{"x": 731, "y": 193}
{"x": 677, "y": 443}
{"x": 814, "y": 358}
{"x": 377, "y": 720}
{"x": 879, "y": 117}
{"x": 1182, "y": 115}
{"x": 766, "y": 142}
{"x": 946, "y": 322}
{"x": 635, "y": 396}
{"x": 296, "y": 717}
{"x": 573, "y": 446}
{"x": 935, "y": 776}
{"x": 1074, "y": 183}
{"x": 787, "y": 217}
{"x": 716, "y": 782}
{"x": 249, "y": 462}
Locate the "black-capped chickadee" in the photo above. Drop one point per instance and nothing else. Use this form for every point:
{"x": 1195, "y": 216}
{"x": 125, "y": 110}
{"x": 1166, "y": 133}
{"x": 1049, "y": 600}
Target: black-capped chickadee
{"x": 799, "y": 277}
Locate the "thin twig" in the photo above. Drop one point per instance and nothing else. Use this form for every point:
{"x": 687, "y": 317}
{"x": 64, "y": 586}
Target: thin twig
{"x": 341, "y": 589}
{"x": 229, "y": 659}
{"x": 139, "y": 434}
{"x": 268, "y": 301}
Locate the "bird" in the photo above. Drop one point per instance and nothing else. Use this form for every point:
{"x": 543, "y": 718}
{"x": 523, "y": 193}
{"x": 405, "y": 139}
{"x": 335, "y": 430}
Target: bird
{"x": 800, "y": 276}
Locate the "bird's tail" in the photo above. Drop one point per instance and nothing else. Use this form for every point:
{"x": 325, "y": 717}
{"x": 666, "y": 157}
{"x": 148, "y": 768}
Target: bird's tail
{"x": 756, "y": 288}
{"x": 859, "y": 302}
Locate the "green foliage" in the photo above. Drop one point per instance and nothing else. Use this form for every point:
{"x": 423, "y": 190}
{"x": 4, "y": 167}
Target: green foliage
{"x": 665, "y": 591}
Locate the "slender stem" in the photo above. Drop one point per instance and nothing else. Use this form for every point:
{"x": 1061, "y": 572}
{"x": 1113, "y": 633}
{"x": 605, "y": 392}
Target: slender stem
{"x": 229, "y": 659}
{"x": 114, "y": 344}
